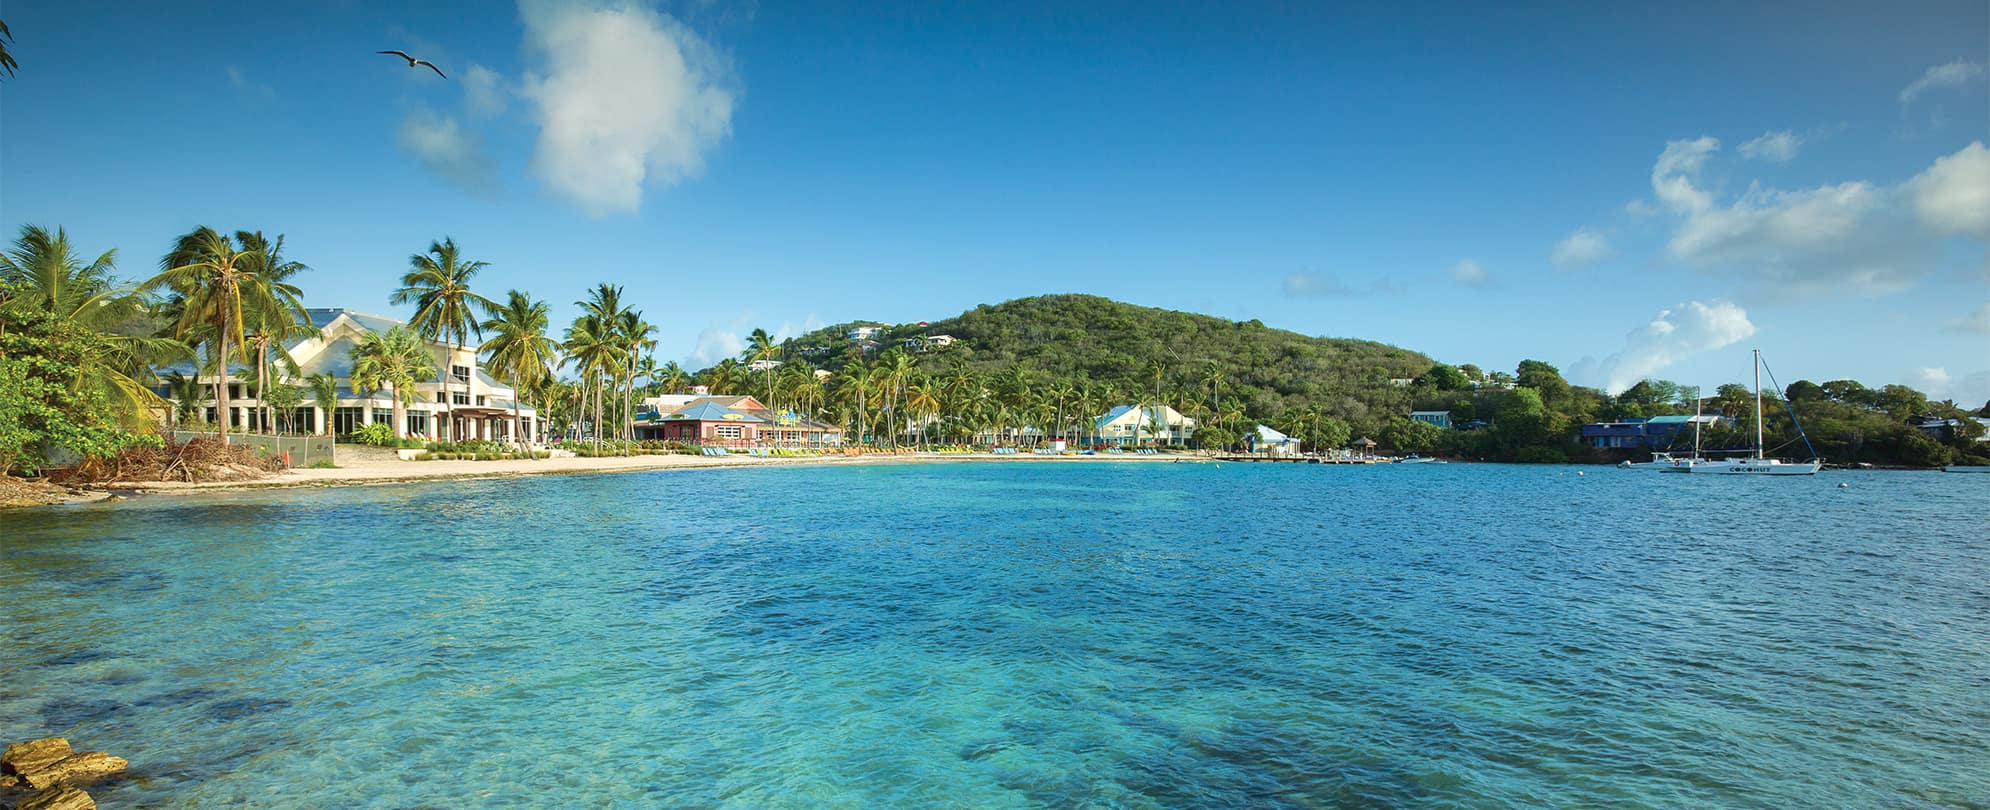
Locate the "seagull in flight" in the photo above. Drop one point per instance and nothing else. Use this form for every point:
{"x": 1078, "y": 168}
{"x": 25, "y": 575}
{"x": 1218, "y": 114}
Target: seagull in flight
{"x": 413, "y": 62}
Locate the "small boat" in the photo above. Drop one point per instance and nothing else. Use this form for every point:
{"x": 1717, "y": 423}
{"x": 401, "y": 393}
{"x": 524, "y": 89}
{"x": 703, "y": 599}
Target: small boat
{"x": 1416, "y": 459}
{"x": 1756, "y": 464}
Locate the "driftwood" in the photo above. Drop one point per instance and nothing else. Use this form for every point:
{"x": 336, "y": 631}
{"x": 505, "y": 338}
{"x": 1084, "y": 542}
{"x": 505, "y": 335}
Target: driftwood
{"x": 197, "y": 459}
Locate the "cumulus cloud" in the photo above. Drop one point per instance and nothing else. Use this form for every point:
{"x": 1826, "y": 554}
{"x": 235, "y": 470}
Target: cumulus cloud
{"x": 1852, "y": 234}
{"x": 446, "y": 148}
{"x": 1977, "y": 322}
{"x": 484, "y": 93}
{"x": 1954, "y": 74}
{"x": 717, "y": 342}
{"x": 1972, "y": 391}
{"x": 1774, "y": 147}
{"x": 1470, "y": 274}
{"x": 1305, "y": 284}
{"x": 628, "y": 98}
{"x": 1674, "y": 335}
{"x": 1953, "y": 196}
{"x": 1931, "y": 381}
{"x": 1580, "y": 249}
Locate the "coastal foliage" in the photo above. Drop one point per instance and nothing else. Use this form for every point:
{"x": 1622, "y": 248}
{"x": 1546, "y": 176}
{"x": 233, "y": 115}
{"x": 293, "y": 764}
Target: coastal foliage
{"x": 47, "y": 402}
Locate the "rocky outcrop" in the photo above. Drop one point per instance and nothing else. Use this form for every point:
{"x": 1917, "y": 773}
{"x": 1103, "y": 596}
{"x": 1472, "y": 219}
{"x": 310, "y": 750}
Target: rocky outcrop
{"x": 62, "y": 798}
{"x": 51, "y": 767}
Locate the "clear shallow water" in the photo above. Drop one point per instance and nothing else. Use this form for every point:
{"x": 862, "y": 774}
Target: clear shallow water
{"x": 1016, "y": 635}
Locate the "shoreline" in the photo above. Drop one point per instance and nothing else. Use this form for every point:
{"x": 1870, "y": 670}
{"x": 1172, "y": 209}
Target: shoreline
{"x": 368, "y": 473}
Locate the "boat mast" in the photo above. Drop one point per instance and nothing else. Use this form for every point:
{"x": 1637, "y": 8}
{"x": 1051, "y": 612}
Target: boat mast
{"x": 1696, "y": 423}
{"x": 1758, "y": 404}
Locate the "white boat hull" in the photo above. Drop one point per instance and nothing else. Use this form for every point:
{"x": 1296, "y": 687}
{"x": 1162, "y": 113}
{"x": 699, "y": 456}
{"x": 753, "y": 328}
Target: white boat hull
{"x": 1753, "y": 466}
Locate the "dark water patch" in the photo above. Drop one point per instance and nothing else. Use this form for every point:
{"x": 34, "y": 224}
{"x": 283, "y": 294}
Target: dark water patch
{"x": 67, "y": 713}
{"x": 177, "y": 697}
{"x": 239, "y": 708}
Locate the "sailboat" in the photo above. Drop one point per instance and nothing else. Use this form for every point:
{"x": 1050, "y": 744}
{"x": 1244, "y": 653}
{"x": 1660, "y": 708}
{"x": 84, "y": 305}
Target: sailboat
{"x": 1756, "y": 464}
{"x": 1667, "y": 462}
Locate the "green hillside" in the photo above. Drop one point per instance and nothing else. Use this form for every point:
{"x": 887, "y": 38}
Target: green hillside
{"x": 1088, "y": 338}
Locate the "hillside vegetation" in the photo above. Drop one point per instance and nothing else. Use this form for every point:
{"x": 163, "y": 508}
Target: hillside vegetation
{"x": 1084, "y": 337}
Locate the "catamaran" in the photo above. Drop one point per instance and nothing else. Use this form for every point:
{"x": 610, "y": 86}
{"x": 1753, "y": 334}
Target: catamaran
{"x": 1756, "y": 464}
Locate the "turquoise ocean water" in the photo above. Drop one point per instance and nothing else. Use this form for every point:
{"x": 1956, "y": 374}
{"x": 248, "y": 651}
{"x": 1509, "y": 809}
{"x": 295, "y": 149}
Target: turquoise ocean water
{"x": 1020, "y": 635}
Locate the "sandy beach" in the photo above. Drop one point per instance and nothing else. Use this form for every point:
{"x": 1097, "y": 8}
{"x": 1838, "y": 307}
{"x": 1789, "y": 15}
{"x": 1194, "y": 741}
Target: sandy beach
{"x": 371, "y": 466}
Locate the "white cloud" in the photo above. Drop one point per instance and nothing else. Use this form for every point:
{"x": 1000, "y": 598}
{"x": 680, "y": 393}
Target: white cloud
{"x": 1672, "y": 176}
{"x": 717, "y": 343}
{"x": 442, "y": 145}
{"x": 1674, "y": 335}
{"x": 1931, "y": 381}
{"x": 1306, "y": 284}
{"x": 628, "y": 98}
{"x": 1775, "y": 147}
{"x": 484, "y": 93}
{"x": 1848, "y": 234}
{"x": 1580, "y": 249}
{"x": 1977, "y": 322}
{"x": 1639, "y": 209}
{"x": 1972, "y": 391}
{"x": 1470, "y": 274}
{"x": 1953, "y": 196}
{"x": 1953, "y": 74}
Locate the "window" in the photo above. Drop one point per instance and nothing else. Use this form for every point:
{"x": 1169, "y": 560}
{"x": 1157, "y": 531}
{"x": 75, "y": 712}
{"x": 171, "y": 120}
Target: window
{"x": 462, "y": 399}
{"x": 726, "y": 431}
{"x": 460, "y": 373}
{"x": 417, "y": 423}
{"x": 383, "y": 416}
{"x": 480, "y": 401}
{"x": 347, "y": 420}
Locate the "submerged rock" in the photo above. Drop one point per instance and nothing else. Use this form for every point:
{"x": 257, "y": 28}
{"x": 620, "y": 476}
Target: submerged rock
{"x": 49, "y": 762}
{"x": 74, "y": 768}
{"x": 62, "y": 798}
{"x": 22, "y": 757}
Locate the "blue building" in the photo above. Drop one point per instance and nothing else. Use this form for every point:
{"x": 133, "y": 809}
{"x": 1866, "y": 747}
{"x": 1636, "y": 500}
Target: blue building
{"x": 1439, "y": 418}
{"x": 1656, "y": 433}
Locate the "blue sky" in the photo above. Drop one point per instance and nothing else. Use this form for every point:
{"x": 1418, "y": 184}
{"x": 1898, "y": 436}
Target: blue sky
{"x": 1617, "y": 192}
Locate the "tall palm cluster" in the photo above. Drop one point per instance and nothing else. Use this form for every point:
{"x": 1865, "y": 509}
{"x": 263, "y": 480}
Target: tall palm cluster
{"x": 609, "y": 346}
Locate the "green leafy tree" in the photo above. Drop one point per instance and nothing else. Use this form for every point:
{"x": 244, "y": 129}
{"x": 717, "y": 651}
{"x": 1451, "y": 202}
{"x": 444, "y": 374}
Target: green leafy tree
{"x": 45, "y": 402}
{"x": 325, "y": 392}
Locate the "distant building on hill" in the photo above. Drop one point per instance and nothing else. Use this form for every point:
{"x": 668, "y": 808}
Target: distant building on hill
{"x": 1439, "y": 418}
{"x": 858, "y": 333}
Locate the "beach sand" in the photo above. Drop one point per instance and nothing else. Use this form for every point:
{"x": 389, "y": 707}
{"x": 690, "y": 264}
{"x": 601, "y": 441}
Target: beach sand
{"x": 368, "y": 466}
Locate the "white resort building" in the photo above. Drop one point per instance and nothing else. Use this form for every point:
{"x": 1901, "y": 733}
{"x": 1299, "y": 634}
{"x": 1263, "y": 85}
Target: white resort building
{"x": 1128, "y": 424}
{"x": 470, "y": 404}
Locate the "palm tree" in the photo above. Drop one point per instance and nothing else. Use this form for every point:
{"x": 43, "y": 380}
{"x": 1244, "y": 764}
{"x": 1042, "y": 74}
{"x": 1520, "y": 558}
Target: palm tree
{"x": 721, "y": 378}
{"x": 274, "y": 329}
{"x": 672, "y": 377}
{"x": 594, "y": 346}
{"x": 50, "y": 277}
{"x": 217, "y": 286}
{"x": 397, "y": 359}
{"x": 7, "y": 62}
{"x": 519, "y": 350}
{"x": 438, "y": 284}
{"x": 325, "y": 390}
{"x": 760, "y": 348}
{"x": 638, "y": 336}
{"x": 185, "y": 390}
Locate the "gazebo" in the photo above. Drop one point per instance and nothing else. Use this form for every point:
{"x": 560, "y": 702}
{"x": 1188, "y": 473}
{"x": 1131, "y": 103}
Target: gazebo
{"x": 1364, "y": 446}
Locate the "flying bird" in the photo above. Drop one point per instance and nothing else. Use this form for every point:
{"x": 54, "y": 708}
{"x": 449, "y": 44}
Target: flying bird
{"x": 413, "y": 62}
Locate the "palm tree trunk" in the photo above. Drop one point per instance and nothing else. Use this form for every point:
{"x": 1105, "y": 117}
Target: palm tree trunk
{"x": 221, "y": 385}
